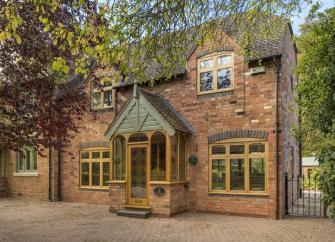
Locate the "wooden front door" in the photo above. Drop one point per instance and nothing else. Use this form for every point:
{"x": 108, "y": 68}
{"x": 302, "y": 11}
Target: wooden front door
{"x": 138, "y": 178}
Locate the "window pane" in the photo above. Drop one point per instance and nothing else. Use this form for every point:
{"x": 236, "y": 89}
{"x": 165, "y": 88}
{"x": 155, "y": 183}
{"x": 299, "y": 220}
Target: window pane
{"x": 224, "y": 78}
{"x": 106, "y": 173}
{"x": 28, "y": 160}
{"x": 219, "y": 174}
{"x": 257, "y": 174}
{"x": 174, "y": 162}
{"x": 206, "y": 81}
{"x": 256, "y": 148}
{"x": 218, "y": 150}
{"x": 139, "y": 137}
{"x": 206, "y": 63}
{"x": 158, "y": 157}
{"x": 237, "y": 174}
{"x": 34, "y": 159}
{"x": 85, "y": 155}
{"x": 85, "y": 174}
{"x": 95, "y": 174}
{"x": 95, "y": 155}
{"x": 96, "y": 99}
{"x": 237, "y": 149}
{"x": 182, "y": 158}
{"x": 105, "y": 154}
{"x": 224, "y": 60}
{"x": 107, "y": 98}
{"x": 21, "y": 160}
{"x": 119, "y": 160}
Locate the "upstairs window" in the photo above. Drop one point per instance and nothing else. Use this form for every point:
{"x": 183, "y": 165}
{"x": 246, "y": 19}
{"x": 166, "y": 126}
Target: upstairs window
{"x": 102, "y": 96}
{"x": 215, "y": 73}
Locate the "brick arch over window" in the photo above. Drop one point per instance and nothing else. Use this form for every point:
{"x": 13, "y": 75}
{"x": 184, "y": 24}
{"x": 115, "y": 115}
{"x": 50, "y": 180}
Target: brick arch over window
{"x": 241, "y": 133}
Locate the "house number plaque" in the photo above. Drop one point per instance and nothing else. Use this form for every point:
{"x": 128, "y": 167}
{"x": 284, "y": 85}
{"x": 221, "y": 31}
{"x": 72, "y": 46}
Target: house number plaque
{"x": 159, "y": 191}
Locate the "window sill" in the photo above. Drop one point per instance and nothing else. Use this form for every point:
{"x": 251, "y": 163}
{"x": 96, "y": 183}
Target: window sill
{"x": 117, "y": 182}
{"x": 239, "y": 193}
{"x": 102, "y": 110}
{"x": 84, "y": 188}
{"x": 214, "y": 92}
{"x": 167, "y": 182}
{"x": 28, "y": 174}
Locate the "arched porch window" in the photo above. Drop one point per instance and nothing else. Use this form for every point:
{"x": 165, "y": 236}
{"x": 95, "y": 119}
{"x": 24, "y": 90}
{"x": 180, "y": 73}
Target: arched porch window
{"x": 119, "y": 159}
{"x": 158, "y": 157}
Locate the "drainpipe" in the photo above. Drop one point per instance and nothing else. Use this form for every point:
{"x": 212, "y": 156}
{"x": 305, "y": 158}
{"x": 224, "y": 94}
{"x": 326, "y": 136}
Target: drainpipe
{"x": 49, "y": 175}
{"x": 59, "y": 176}
{"x": 277, "y": 71}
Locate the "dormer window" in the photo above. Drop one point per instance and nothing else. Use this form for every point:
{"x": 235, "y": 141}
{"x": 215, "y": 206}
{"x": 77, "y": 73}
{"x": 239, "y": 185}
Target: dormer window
{"x": 215, "y": 73}
{"x": 102, "y": 96}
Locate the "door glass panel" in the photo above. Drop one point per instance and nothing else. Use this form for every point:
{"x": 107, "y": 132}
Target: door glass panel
{"x": 138, "y": 172}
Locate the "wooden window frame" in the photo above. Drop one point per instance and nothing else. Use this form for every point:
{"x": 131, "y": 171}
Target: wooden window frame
{"x": 214, "y": 69}
{"x": 246, "y": 156}
{"x": 90, "y": 160}
{"x": 101, "y": 91}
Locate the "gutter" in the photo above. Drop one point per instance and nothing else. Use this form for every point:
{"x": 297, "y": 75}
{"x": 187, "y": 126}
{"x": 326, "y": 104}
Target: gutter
{"x": 277, "y": 71}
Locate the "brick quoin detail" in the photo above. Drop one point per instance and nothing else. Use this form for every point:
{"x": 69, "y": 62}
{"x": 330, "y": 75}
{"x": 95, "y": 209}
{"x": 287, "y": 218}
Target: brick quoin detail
{"x": 242, "y": 133}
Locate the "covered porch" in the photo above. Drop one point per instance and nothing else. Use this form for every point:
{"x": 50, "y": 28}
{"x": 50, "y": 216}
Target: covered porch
{"x": 149, "y": 142}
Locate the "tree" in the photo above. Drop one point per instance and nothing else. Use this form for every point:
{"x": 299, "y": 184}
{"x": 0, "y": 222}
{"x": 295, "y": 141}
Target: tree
{"x": 316, "y": 91}
{"x": 44, "y": 42}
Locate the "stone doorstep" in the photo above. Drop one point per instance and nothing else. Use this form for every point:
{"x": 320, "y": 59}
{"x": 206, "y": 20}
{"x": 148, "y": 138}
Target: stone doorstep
{"x": 134, "y": 213}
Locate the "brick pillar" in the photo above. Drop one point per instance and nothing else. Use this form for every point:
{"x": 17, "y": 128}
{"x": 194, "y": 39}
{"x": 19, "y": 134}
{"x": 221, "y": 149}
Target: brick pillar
{"x": 117, "y": 194}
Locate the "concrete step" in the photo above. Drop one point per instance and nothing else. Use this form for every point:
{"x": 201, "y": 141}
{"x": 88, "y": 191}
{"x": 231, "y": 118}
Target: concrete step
{"x": 134, "y": 213}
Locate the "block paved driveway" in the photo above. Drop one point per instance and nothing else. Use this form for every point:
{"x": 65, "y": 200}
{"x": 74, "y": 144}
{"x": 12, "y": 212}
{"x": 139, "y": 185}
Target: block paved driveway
{"x": 24, "y": 220}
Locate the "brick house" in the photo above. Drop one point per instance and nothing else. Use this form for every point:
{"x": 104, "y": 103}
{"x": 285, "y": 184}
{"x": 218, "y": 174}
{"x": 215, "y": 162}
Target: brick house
{"x": 214, "y": 138}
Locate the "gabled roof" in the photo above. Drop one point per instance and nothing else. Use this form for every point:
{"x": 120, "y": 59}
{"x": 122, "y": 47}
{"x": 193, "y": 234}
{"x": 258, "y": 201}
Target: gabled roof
{"x": 165, "y": 108}
{"x": 148, "y": 111}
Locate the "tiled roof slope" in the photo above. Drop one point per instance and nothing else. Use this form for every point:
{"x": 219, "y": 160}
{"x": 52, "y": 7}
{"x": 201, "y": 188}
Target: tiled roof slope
{"x": 169, "y": 113}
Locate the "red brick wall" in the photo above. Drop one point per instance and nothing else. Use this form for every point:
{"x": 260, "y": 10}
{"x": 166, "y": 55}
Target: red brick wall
{"x": 35, "y": 187}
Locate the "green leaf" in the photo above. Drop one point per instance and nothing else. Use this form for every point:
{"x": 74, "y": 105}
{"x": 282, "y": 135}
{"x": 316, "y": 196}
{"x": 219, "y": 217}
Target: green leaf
{"x": 2, "y": 36}
{"x": 17, "y": 38}
{"x": 44, "y": 20}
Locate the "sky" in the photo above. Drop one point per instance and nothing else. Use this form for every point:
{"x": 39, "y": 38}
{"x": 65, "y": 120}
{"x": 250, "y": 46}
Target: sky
{"x": 299, "y": 18}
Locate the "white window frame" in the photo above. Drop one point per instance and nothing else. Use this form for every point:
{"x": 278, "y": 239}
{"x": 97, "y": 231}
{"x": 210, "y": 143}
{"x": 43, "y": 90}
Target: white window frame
{"x": 25, "y": 171}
